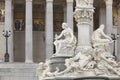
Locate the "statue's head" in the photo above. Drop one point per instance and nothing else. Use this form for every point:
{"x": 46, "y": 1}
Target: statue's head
{"x": 102, "y": 26}
{"x": 64, "y": 25}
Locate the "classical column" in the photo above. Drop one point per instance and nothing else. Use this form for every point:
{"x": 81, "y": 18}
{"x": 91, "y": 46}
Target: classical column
{"x": 109, "y": 20}
{"x": 102, "y": 17}
{"x": 65, "y": 13}
{"x": 9, "y": 26}
{"x": 49, "y": 29}
{"x": 109, "y": 17}
{"x": 83, "y": 15}
{"x": 118, "y": 31}
{"x": 70, "y": 13}
{"x": 28, "y": 33}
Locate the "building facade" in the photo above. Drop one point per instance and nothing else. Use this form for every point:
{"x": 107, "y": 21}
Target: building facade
{"x": 33, "y": 24}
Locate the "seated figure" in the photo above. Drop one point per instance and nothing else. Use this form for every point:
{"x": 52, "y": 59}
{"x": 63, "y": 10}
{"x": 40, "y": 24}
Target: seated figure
{"x": 66, "y": 41}
{"x": 100, "y": 42}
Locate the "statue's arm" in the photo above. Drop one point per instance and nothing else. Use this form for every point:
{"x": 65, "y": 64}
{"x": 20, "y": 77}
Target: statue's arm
{"x": 106, "y": 36}
{"x": 72, "y": 36}
{"x": 59, "y": 36}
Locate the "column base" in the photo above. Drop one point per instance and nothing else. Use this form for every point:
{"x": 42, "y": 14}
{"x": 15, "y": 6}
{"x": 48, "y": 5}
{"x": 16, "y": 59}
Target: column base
{"x": 28, "y": 61}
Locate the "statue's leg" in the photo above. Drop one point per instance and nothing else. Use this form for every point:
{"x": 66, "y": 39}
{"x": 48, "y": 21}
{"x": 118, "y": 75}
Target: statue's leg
{"x": 104, "y": 40}
{"x": 55, "y": 43}
{"x": 59, "y": 45}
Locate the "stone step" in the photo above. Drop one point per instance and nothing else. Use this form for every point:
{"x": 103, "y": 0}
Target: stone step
{"x": 18, "y": 65}
{"x": 18, "y": 71}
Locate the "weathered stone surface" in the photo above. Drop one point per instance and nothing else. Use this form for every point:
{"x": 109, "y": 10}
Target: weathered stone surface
{"x": 17, "y": 71}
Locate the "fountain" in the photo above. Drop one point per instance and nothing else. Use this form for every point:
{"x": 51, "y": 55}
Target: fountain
{"x": 85, "y": 57}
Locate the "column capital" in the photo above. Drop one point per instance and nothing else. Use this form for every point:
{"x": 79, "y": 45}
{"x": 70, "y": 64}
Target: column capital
{"x": 49, "y": 0}
{"x": 108, "y": 2}
{"x": 29, "y": 0}
{"x": 69, "y": 1}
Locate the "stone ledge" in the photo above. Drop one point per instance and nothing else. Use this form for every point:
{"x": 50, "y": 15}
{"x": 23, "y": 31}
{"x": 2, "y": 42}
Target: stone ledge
{"x": 85, "y": 78}
{"x": 18, "y": 69}
{"x": 18, "y": 65}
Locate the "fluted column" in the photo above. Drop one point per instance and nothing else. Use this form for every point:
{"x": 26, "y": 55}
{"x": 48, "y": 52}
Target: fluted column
{"x": 109, "y": 17}
{"x": 9, "y": 26}
{"x": 28, "y": 33}
{"x": 49, "y": 29}
{"x": 70, "y": 13}
{"x": 118, "y": 31}
{"x": 83, "y": 15}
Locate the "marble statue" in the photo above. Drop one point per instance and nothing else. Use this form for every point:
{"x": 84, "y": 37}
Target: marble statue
{"x": 81, "y": 61}
{"x": 106, "y": 64}
{"x": 66, "y": 41}
{"x": 97, "y": 39}
{"x": 43, "y": 70}
{"x": 88, "y": 62}
{"x": 100, "y": 62}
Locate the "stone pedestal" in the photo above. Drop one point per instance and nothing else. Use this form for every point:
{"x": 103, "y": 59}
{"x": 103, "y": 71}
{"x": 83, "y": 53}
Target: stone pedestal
{"x": 58, "y": 61}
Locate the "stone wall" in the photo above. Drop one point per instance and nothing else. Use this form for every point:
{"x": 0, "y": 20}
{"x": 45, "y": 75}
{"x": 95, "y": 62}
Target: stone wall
{"x": 18, "y": 71}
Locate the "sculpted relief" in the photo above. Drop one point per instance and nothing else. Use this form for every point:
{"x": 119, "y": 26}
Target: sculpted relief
{"x": 81, "y": 3}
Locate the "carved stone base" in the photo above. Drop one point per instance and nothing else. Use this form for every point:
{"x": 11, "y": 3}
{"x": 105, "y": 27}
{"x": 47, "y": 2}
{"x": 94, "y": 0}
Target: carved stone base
{"x": 58, "y": 62}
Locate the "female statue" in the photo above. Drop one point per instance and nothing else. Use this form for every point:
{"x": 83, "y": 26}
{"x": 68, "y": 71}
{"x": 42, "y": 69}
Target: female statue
{"x": 97, "y": 39}
{"x": 65, "y": 39}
